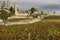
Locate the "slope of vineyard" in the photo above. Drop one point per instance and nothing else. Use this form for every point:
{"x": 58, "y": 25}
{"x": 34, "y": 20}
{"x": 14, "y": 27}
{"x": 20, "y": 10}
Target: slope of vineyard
{"x": 44, "y": 30}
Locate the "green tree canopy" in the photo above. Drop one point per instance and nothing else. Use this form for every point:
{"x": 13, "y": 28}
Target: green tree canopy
{"x": 42, "y": 12}
{"x": 33, "y": 9}
{"x": 54, "y": 12}
{"x": 12, "y": 11}
{"x": 4, "y": 15}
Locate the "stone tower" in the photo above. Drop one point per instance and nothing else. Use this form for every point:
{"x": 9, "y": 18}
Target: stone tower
{"x": 16, "y": 9}
{"x": 4, "y": 4}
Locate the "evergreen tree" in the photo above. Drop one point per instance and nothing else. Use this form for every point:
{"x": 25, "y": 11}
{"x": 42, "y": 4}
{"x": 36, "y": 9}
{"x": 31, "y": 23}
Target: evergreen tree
{"x": 4, "y": 15}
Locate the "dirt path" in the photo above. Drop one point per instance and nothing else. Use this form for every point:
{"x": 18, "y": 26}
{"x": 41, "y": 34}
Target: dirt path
{"x": 22, "y": 22}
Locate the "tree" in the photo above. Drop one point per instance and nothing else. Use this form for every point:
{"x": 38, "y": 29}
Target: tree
{"x": 4, "y": 15}
{"x": 33, "y": 10}
{"x": 42, "y": 12}
{"x": 54, "y": 12}
{"x": 12, "y": 11}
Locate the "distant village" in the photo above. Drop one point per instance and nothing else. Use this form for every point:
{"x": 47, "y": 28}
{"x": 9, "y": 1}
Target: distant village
{"x": 14, "y": 12}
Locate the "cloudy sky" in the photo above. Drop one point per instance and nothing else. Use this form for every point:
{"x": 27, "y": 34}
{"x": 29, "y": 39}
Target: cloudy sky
{"x": 39, "y": 1}
{"x": 45, "y": 5}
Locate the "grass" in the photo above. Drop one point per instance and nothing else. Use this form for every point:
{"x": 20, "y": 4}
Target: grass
{"x": 18, "y": 19}
{"x": 47, "y": 29}
{"x": 52, "y": 17}
{"x": 52, "y": 20}
{"x": 42, "y": 30}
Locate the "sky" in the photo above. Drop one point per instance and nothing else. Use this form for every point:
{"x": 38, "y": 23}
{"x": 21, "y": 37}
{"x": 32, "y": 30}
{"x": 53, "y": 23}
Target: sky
{"x": 39, "y": 1}
{"x": 44, "y": 5}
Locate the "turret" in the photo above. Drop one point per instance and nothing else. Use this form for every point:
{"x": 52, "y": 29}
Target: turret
{"x": 4, "y": 4}
{"x": 15, "y": 8}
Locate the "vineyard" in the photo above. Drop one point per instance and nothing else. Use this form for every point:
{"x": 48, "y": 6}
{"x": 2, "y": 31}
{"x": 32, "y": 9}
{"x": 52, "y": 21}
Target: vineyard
{"x": 44, "y": 30}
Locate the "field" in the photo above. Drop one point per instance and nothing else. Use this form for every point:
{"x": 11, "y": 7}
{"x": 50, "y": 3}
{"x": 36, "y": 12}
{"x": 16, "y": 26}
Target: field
{"x": 48, "y": 29}
{"x": 53, "y": 17}
{"x": 18, "y": 19}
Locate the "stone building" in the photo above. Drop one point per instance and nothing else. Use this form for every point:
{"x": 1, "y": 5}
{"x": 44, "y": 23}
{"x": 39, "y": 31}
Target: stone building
{"x": 18, "y": 13}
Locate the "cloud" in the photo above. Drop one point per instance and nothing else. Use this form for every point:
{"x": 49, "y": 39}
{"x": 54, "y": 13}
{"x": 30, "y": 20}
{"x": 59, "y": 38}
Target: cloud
{"x": 39, "y": 1}
{"x": 45, "y": 5}
{"x": 50, "y": 1}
